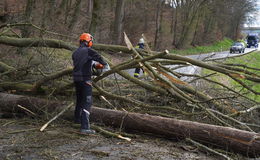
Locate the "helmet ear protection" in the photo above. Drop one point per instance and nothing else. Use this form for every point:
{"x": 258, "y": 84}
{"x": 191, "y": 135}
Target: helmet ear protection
{"x": 90, "y": 43}
{"x": 88, "y": 38}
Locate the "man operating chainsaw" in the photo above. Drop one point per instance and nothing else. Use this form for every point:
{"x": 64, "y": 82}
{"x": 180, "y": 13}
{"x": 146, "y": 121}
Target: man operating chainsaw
{"x": 83, "y": 64}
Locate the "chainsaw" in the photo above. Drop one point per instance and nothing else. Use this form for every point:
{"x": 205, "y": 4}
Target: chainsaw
{"x": 98, "y": 69}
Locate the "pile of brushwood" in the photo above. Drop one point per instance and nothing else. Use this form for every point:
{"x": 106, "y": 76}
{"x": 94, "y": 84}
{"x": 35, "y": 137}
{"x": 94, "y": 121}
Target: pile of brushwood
{"x": 213, "y": 113}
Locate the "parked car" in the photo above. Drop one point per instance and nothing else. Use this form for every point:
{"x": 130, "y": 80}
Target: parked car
{"x": 237, "y": 47}
{"x": 252, "y": 41}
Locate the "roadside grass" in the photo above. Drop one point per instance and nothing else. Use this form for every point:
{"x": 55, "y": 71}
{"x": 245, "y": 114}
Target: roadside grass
{"x": 216, "y": 47}
{"x": 250, "y": 60}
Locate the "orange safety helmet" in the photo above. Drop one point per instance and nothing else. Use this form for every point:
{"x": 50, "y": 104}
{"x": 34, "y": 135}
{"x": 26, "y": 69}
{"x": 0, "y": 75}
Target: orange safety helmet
{"x": 86, "y": 37}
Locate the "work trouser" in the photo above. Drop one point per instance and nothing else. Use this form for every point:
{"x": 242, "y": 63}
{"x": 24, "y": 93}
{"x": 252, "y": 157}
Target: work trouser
{"x": 83, "y": 103}
{"x": 137, "y": 72}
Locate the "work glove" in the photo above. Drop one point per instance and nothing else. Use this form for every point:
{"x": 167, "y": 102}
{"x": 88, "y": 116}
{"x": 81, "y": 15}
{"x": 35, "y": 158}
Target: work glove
{"x": 96, "y": 68}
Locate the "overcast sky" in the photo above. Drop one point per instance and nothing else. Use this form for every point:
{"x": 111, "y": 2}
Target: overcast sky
{"x": 256, "y": 21}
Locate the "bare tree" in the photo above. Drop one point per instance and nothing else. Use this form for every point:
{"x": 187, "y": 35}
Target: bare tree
{"x": 95, "y": 18}
{"x": 28, "y": 17}
{"x": 89, "y": 15}
{"x": 75, "y": 15}
{"x": 118, "y": 23}
{"x": 159, "y": 17}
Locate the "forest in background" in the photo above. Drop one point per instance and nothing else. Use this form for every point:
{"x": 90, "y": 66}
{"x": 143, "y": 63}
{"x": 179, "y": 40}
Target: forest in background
{"x": 167, "y": 24}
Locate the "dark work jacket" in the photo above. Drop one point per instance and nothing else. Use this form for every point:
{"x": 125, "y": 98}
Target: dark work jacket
{"x": 82, "y": 61}
{"x": 141, "y": 45}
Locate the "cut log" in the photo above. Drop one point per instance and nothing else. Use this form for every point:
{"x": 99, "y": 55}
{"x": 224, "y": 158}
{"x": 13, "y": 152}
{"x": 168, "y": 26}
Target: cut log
{"x": 239, "y": 141}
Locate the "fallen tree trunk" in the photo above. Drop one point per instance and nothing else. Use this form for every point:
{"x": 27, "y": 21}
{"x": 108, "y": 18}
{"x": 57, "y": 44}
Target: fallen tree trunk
{"x": 244, "y": 142}
{"x": 53, "y": 43}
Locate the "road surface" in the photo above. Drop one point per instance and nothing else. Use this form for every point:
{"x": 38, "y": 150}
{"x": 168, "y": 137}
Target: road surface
{"x": 207, "y": 57}
{"x": 219, "y": 55}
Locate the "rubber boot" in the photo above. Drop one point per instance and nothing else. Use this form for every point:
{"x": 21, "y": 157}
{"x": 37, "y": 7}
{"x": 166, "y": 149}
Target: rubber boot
{"x": 85, "y": 125}
{"x": 87, "y": 131}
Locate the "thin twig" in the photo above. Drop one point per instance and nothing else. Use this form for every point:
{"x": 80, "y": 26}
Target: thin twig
{"x": 26, "y": 110}
{"x": 232, "y": 119}
{"x": 23, "y": 130}
{"x": 102, "y": 97}
{"x": 207, "y": 148}
{"x": 110, "y": 134}
{"x": 59, "y": 114}
{"x": 246, "y": 111}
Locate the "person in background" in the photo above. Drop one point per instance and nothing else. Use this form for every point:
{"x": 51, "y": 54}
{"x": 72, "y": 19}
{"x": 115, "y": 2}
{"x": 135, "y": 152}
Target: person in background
{"x": 82, "y": 72}
{"x": 141, "y": 46}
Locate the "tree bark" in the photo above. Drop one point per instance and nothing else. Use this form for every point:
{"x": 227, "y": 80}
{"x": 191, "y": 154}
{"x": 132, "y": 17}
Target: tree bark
{"x": 53, "y": 43}
{"x": 244, "y": 142}
{"x": 174, "y": 29}
{"x": 28, "y": 18}
{"x": 159, "y": 15}
{"x": 75, "y": 15}
{"x": 4, "y": 12}
{"x": 36, "y": 42}
{"x": 118, "y": 24}
{"x": 89, "y": 16}
{"x": 95, "y": 18}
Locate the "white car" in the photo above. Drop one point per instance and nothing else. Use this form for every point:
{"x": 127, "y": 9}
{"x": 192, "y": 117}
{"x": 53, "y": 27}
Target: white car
{"x": 237, "y": 47}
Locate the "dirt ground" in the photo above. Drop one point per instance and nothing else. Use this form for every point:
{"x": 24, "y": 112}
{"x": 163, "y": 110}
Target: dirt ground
{"x": 21, "y": 140}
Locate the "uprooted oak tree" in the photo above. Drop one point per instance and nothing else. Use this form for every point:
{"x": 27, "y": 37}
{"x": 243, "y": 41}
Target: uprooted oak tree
{"x": 46, "y": 70}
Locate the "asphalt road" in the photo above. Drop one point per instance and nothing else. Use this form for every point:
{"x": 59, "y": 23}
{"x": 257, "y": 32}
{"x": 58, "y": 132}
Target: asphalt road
{"x": 219, "y": 55}
{"x": 207, "y": 57}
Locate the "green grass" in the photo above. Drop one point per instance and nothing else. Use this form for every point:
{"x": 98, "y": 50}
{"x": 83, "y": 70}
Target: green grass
{"x": 251, "y": 60}
{"x": 216, "y": 47}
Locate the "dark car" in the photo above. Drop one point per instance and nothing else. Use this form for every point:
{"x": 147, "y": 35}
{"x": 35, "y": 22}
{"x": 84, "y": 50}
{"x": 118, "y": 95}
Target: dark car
{"x": 252, "y": 41}
{"x": 237, "y": 47}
